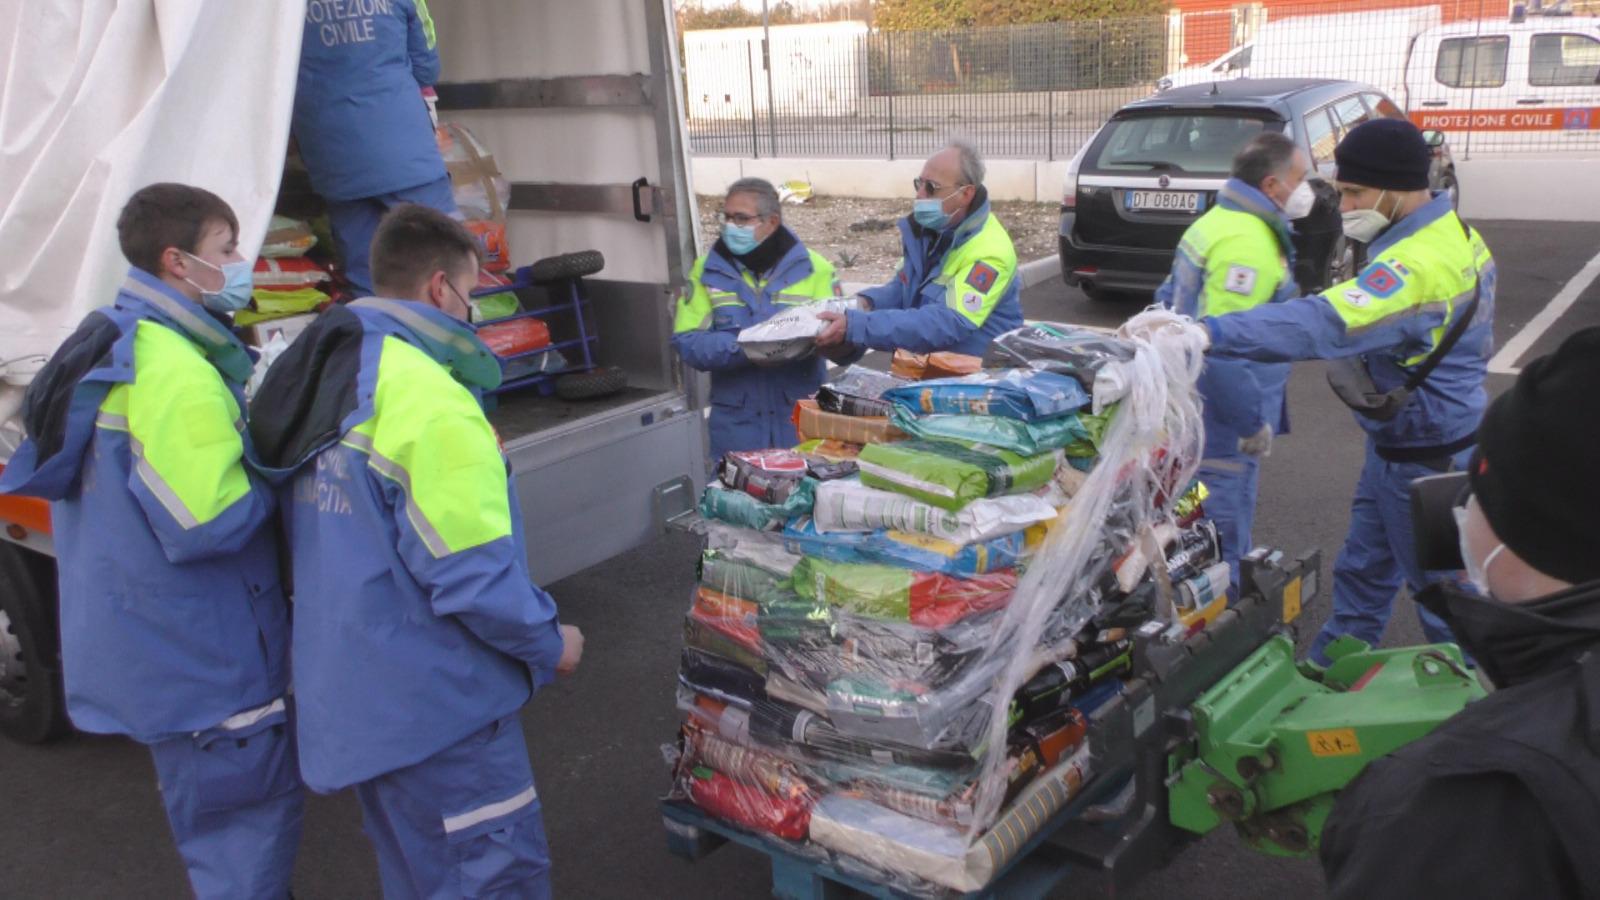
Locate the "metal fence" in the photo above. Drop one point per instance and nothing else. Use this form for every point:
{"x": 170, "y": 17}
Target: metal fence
{"x": 1492, "y": 79}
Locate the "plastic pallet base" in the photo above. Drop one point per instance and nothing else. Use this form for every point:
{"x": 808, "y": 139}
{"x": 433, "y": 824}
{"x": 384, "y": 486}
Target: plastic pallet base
{"x": 1040, "y": 867}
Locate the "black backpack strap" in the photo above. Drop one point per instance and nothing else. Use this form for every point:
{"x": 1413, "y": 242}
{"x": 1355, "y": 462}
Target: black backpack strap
{"x": 1457, "y": 329}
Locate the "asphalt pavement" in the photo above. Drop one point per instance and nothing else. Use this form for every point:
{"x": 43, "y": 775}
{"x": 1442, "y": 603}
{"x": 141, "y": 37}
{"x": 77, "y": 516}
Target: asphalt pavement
{"x": 82, "y": 818}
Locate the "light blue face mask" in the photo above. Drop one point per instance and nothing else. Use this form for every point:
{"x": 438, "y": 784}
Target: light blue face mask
{"x": 741, "y": 239}
{"x": 929, "y": 212}
{"x": 238, "y": 280}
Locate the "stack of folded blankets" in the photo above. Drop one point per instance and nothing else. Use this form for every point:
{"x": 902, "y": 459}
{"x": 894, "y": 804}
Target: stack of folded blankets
{"x": 843, "y": 652}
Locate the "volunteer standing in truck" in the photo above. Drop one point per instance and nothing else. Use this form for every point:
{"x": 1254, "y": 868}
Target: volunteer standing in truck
{"x": 756, "y": 269}
{"x": 360, "y": 120}
{"x": 1411, "y": 336}
{"x": 1236, "y": 257}
{"x": 174, "y": 629}
{"x": 418, "y": 632}
{"x": 956, "y": 287}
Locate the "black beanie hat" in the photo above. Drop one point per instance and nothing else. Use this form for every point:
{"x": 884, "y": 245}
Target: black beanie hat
{"x": 1384, "y": 153}
{"x": 1534, "y": 471}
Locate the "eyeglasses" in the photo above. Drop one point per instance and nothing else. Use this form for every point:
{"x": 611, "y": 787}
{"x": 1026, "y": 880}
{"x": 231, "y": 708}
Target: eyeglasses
{"x": 924, "y": 185}
{"x": 738, "y": 218}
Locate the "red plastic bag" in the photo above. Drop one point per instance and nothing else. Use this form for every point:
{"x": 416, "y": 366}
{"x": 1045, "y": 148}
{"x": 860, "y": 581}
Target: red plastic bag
{"x": 516, "y": 336}
{"x": 750, "y": 807}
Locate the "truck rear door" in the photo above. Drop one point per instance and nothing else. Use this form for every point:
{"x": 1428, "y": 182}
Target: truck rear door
{"x": 579, "y": 105}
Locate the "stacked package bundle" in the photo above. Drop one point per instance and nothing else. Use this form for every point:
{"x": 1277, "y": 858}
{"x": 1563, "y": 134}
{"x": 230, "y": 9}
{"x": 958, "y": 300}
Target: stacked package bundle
{"x": 897, "y": 644}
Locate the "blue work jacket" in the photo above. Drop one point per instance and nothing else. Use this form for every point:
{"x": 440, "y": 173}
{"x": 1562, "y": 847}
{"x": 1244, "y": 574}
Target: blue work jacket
{"x": 359, "y": 117}
{"x": 1236, "y": 257}
{"x": 752, "y": 406}
{"x": 956, "y": 289}
{"x": 416, "y": 619}
{"x": 1424, "y": 272}
{"x": 172, "y": 618}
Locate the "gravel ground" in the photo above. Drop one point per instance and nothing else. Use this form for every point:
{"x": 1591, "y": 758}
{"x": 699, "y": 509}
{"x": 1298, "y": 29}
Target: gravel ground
{"x": 862, "y": 240}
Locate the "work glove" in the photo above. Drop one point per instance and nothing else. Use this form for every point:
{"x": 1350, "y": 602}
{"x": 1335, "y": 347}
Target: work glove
{"x": 1258, "y": 444}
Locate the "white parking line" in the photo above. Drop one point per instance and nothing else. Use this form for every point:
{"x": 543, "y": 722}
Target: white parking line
{"x": 1505, "y": 362}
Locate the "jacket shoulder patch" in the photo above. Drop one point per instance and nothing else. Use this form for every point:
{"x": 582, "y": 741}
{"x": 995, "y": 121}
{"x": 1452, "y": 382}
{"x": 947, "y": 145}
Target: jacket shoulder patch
{"x": 1381, "y": 280}
{"x": 1240, "y": 280}
{"x": 982, "y": 277}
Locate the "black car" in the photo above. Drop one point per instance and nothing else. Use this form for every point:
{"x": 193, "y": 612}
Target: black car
{"x": 1157, "y": 165}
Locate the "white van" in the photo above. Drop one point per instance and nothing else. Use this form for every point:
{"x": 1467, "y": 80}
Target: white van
{"x": 1512, "y": 85}
{"x": 1233, "y": 64}
{"x": 1371, "y": 47}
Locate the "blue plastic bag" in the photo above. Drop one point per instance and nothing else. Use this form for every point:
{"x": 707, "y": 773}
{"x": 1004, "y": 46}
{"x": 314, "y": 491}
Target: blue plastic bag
{"x": 1013, "y": 393}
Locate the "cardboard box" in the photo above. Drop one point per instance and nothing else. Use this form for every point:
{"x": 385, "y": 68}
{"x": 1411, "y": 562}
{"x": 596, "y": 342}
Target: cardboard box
{"x": 813, "y": 423}
{"x": 289, "y": 326}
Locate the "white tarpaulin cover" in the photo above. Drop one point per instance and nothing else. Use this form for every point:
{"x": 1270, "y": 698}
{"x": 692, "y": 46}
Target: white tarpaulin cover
{"x": 99, "y": 98}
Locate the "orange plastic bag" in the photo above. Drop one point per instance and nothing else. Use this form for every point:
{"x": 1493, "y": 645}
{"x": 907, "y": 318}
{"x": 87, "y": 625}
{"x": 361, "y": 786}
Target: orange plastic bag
{"x": 516, "y": 336}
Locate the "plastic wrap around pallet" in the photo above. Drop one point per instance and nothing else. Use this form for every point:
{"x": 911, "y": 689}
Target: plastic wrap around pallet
{"x": 905, "y": 690}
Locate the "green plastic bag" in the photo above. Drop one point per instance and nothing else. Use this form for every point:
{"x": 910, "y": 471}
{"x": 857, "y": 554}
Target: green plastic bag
{"x": 495, "y": 306}
{"x": 929, "y": 599}
{"x": 741, "y": 509}
{"x": 951, "y": 475}
{"x": 1078, "y": 434}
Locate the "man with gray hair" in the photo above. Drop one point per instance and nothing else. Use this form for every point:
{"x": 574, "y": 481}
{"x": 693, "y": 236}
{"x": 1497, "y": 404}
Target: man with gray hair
{"x": 956, "y": 287}
{"x": 1236, "y": 257}
{"x": 757, "y": 268}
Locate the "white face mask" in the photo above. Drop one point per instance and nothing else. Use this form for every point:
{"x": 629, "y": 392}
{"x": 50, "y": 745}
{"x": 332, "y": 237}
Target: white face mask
{"x": 1365, "y": 224}
{"x": 1300, "y": 201}
{"x": 1477, "y": 574}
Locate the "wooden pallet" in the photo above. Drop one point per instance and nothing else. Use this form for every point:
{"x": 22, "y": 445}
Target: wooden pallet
{"x": 1041, "y": 865}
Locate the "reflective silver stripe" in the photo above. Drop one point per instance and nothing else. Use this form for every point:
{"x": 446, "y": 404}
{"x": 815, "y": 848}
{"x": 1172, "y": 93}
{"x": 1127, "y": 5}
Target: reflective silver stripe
{"x": 112, "y": 420}
{"x": 463, "y": 821}
{"x": 419, "y": 324}
{"x": 250, "y": 717}
{"x": 1222, "y": 465}
{"x": 397, "y": 473}
{"x": 1436, "y": 306}
{"x": 196, "y": 325}
{"x": 158, "y": 486}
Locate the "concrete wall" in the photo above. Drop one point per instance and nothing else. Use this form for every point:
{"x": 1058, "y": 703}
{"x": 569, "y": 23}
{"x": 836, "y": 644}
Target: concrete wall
{"x": 1008, "y": 179}
{"x": 1511, "y": 187}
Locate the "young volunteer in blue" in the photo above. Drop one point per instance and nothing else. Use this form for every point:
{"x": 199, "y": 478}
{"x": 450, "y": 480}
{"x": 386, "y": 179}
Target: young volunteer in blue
{"x": 418, "y": 632}
{"x": 174, "y": 629}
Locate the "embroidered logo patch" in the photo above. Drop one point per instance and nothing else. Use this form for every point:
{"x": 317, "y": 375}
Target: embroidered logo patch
{"x": 1381, "y": 281}
{"x": 1356, "y": 298}
{"x": 983, "y": 276}
{"x": 972, "y": 302}
{"x": 1240, "y": 280}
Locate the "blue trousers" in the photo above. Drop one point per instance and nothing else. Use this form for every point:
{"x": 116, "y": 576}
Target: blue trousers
{"x": 464, "y": 822}
{"x": 1231, "y": 504}
{"x": 234, "y": 801}
{"x": 355, "y": 221}
{"x": 1379, "y": 555}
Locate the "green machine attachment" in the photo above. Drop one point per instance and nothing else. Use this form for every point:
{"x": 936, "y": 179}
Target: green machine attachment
{"x": 1272, "y": 747}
